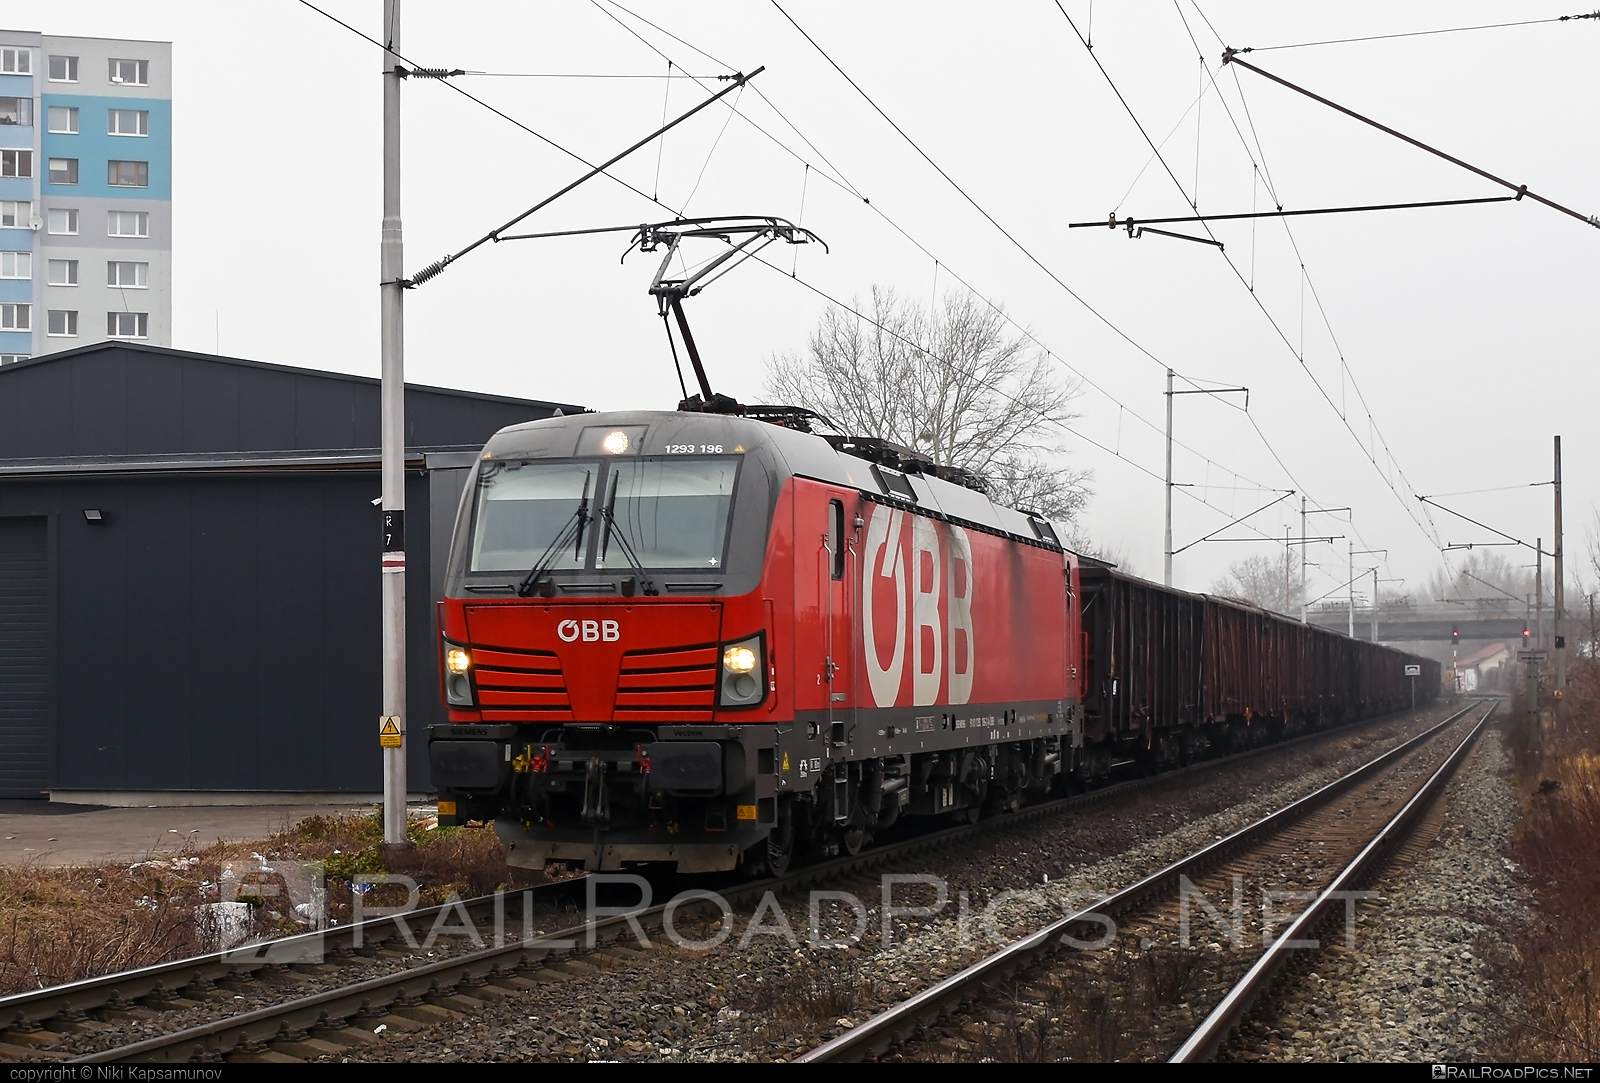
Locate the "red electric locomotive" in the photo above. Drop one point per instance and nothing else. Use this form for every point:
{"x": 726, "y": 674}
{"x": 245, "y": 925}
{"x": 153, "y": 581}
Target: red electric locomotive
{"x": 707, "y": 640}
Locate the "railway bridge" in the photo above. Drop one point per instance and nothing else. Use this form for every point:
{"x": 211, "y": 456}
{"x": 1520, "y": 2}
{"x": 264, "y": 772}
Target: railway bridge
{"x": 1406, "y": 623}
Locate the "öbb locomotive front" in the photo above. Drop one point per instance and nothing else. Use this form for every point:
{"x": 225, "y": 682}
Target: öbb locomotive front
{"x": 712, "y": 641}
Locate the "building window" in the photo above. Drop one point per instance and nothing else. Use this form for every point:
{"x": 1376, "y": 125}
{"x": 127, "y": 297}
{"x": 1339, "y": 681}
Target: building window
{"x": 16, "y": 61}
{"x": 127, "y": 122}
{"x": 16, "y": 163}
{"x": 130, "y": 72}
{"x": 62, "y": 222}
{"x": 128, "y": 224}
{"x": 128, "y": 174}
{"x": 15, "y": 317}
{"x": 63, "y": 323}
{"x": 63, "y": 119}
{"x": 62, "y": 272}
{"x": 127, "y": 275}
{"x": 63, "y": 69}
{"x": 16, "y": 215}
{"x": 12, "y": 358}
{"x": 63, "y": 171}
{"x": 127, "y": 324}
{"x": 18, "y": 111}
{"x": 16, "y": 264}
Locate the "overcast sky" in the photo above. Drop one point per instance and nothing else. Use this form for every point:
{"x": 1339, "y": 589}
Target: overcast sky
{"x": 1469, "y": 333}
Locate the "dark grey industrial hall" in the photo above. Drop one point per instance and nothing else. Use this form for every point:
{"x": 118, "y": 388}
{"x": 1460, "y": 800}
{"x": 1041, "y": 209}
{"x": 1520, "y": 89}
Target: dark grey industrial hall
{"x": 189, "y": 572}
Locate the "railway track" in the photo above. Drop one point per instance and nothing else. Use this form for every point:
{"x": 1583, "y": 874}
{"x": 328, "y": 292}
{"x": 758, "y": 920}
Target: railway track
{"x": 1038, "y": 987}
{"x": 406, "y": 995}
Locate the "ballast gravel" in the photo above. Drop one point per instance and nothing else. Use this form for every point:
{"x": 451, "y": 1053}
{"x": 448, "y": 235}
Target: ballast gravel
{"x": 1417, "y": 988}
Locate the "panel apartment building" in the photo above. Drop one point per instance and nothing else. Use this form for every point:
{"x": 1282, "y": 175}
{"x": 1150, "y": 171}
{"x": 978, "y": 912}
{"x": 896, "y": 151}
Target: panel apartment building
{"x": 85, "y": 192}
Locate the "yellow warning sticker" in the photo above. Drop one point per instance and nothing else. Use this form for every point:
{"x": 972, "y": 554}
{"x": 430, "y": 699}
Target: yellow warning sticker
{"x": 389, "y": 735}
{"x": 786, "y": 761}
{"x": 747, "y": 812}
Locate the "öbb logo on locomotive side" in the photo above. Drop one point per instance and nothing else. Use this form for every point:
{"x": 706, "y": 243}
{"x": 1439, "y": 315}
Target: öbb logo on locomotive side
{"x": 923, "y": 570}
{"x": 590, "y": 631}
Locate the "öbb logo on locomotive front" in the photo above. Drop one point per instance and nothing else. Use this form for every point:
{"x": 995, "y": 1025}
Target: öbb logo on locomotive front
{"x": 590, "y": 631}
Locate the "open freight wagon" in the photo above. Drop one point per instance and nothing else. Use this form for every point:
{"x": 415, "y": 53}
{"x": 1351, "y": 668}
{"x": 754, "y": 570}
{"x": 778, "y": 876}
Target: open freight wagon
{"x": 1170, "y": 673}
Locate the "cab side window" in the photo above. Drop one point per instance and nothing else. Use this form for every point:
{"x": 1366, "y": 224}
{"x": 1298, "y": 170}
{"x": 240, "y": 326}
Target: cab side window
{"x": 836, "y": 536}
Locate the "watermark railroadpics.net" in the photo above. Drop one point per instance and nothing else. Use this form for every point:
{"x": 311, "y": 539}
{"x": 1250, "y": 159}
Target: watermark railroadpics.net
{"x": 1512, "y": 1071}
{"x": 703, "y": 920}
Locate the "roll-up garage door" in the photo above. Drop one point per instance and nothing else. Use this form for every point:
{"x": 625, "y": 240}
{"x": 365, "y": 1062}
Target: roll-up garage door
{"x": 26, "y": 658}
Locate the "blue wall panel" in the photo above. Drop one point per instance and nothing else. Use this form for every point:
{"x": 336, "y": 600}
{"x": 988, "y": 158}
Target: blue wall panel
{"x": 94, "y": 147}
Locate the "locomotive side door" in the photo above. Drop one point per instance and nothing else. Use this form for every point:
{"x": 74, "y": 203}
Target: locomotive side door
{"x": 834, "y": 563}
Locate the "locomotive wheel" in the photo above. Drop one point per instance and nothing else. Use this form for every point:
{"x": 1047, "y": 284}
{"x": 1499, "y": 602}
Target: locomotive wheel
{"x": 772, "y": 856}
{"x": 780, "y": 843}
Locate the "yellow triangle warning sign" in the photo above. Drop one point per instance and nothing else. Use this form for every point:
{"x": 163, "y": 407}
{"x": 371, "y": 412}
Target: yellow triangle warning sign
{"x": 785, "y": 761}
{"x": 389, "y": 735}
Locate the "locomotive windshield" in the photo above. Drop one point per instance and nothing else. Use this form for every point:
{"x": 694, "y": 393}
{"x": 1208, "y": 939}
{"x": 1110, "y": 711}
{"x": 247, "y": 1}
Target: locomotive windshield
{"x": 522, "y": 508}
{"x": 669, "y": 513}
{"x": 673, "y": 513}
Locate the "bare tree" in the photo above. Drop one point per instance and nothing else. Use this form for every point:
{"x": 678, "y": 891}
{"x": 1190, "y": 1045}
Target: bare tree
{"x": 1485, "y": 574}
{"x": 1270, "y": 582}
{"x": 950, "y": 383}
{"x": 1113, "y": 553}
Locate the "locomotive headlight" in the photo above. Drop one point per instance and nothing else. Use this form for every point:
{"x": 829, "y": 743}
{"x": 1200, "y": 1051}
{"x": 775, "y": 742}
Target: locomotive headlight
{"x": 615, "y": 442}
{"x": 742, "y": 681}
{"x": 458, "y": 676}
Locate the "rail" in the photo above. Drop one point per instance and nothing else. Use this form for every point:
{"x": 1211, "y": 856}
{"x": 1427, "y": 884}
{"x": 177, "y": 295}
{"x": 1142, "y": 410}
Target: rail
{"x": 1208, "y": 1038}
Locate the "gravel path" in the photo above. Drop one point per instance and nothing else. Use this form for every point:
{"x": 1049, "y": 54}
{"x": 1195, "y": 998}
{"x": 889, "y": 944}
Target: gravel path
{"x": 1408, "y": 991}
{"x": 762, "y": 995}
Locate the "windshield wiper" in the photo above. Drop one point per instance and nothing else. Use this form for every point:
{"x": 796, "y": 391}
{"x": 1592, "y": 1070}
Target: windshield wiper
{"x": 645, "y": 584}
{"x": 574, "y": 525}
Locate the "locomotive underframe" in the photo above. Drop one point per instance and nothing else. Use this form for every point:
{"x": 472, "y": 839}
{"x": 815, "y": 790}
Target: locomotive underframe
{"x": 709, "y": 797}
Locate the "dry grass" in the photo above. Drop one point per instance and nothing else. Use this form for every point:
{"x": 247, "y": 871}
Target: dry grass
{"x": 807, "y": 998}
{"x": 62, "y": 924}
{"x": 1553, "y": 963}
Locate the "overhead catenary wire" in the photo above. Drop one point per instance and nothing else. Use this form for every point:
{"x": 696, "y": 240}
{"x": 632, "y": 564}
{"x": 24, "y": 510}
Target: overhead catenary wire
{"x": 978, "y": 207}
{"x": 846, "y": 186}
{"x": 1258, "y": 159}
{"x": 838, "y": 180}
{"x": 574, "y": 155}
{"x": 963, "y": 192}
{"x": 1234, "y": 267}
{"x": 843, "y": 306}
{"x": 1433, "y": 536}
{"x": 1188, "y": 199}
{"x": 1419, "y": 33}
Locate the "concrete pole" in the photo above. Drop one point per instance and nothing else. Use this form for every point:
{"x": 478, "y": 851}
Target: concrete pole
{"x": 1561, "y": 592}
{"x": 1351, "y": 546}
{"x": 1302, "y": 558}
{"x": 1538, "y": 594}
{"x": 1374, "y": 605}
{"x": 392, "y": 405}
{"x": 1168, "y": 549}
